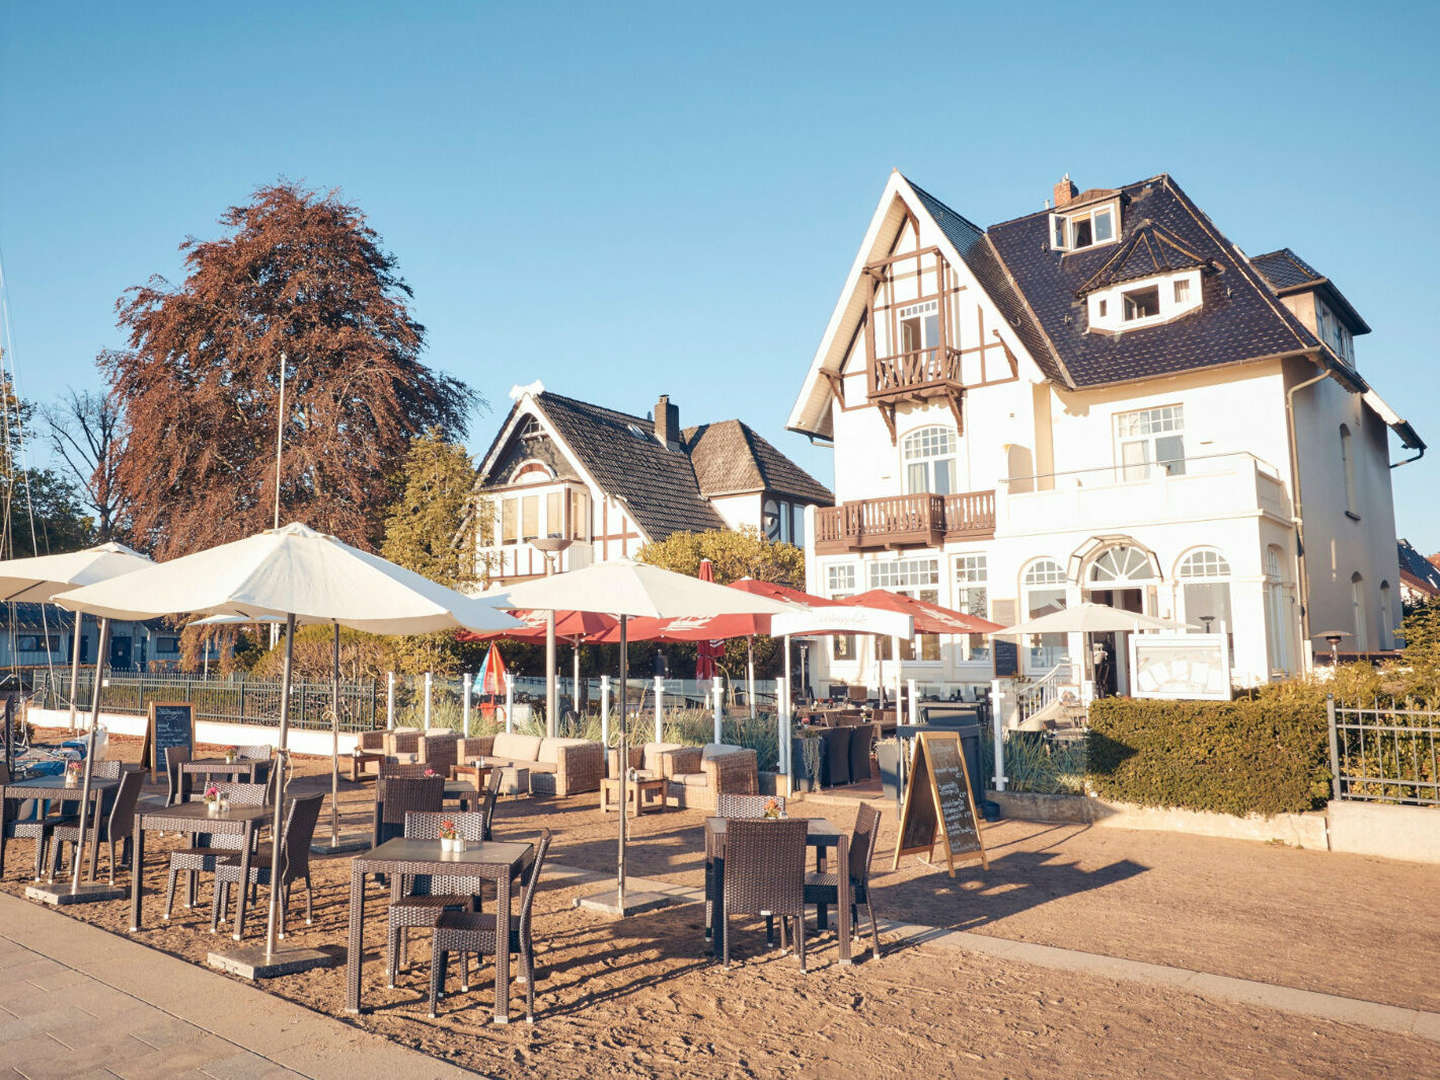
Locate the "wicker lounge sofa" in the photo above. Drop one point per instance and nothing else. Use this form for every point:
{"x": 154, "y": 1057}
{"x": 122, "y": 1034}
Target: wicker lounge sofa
{"x": 557, "y": 766}
{"x": 698, "y": 775}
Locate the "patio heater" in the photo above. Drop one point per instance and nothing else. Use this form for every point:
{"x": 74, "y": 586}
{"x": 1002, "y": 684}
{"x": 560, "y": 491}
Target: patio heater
{"x": 551, "y": 547}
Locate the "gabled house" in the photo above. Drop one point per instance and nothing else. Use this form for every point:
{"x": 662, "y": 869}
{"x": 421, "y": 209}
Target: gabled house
{"x": 1419, "y": 576}
{"x": 1104, "y": 400}
{"x": 612, "y": 482}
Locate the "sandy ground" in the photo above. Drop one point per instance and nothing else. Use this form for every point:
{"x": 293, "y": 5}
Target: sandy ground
{"x": 641, "y": 997}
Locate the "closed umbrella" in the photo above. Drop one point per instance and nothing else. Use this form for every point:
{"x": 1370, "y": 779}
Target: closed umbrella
{"x": 708, "y": 650}
{"x": 625, "y": 588}
{"x": 305, "y": 577}
{"x": 38, "y": 579}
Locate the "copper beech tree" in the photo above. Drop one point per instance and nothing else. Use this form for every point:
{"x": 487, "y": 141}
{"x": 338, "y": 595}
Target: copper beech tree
{"x": 298, "y": 273}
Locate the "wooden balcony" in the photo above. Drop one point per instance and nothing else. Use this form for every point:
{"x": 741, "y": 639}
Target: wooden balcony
{"x": 924, "y": 373}
{"x": 902, "y": 521}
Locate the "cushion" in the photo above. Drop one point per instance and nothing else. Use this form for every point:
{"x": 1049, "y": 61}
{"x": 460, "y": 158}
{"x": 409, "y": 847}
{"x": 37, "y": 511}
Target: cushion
{"x": 511, "y": 744}
{"x": 692, "y": 779}
{"x": 550, "y": 749}
{"x": 654, "y": 752}
{"x": 540, "y": 766}
{"x": 714, "y": 750}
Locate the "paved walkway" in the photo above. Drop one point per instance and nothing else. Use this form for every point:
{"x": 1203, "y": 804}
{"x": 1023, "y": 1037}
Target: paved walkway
{"x": 79, "y": 1002}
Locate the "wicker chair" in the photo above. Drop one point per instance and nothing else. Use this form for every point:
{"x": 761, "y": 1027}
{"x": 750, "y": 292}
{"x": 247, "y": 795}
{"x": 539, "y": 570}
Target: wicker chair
{"x": 825, "y": 888}
{"x": 487, "y": 806}
{"x": 862, "y": 740}
{"x": 262, "y": 753}
{"x": 175, "y": 756}
{"x": 835, "y": 768}
{"x": 118, "y": 824}
{"x": 300, "y": 822}
{"x": 745, "y": 806}
{"x": 24, "y": 821}
{"x": 466, "y": 932}
{"x": 765, "y": 875}
{"x": 210, "y": 850}
{"x": 425, "y": 897}
{"x": 396, "y": 796}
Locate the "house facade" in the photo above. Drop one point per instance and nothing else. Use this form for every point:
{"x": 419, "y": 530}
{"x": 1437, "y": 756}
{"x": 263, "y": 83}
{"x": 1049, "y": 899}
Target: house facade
{"x": 43, "y": 635}
{"x": 1104, "y": 401}
{"x": 612, "y": 482}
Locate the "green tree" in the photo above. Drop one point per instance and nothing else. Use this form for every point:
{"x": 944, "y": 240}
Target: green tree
{"x": 40, "y": 511}
{"x": 424, "y": 520}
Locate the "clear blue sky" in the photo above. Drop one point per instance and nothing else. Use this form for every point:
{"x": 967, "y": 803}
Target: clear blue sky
{"x": 624, "y": 201}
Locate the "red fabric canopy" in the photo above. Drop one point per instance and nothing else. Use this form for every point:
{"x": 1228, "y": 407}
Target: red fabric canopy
{"x": 569, "y": 625}
{"x": 711, "y": 649}
{"x": 929, "y": 618}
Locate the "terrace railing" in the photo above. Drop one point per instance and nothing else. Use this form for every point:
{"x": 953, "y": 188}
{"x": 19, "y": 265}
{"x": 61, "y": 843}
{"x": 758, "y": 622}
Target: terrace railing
{"x": 1385, "y": 754}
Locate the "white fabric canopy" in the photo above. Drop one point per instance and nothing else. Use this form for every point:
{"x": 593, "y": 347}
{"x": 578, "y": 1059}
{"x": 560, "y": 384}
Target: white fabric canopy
{"x": 292, "y": 571}
{"x": 1087, "y": 619}
{"x": 840, "y": 619}
{"x": 626, "y": 587}
{"x": 39, "y": 578}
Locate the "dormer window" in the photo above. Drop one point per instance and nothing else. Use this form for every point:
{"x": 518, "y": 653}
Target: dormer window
{"x": 1142, "y": 303}
{"x": 1149, "y": 301}
{"x": 1084, "y": 228}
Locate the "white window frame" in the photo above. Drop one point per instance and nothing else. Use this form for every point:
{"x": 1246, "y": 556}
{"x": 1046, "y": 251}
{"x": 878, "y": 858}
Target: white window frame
{"x": 1044, "y": 574}
{"x": 928, "y": 458}
{"x": 1204, "y": 566}
{"x": 917, "y": 576}
{"x": 1065, "y": 224}
{"x": 1146, "y": 428}
{"x": 1347, "y": 464}
{"x": 971, "y": 574}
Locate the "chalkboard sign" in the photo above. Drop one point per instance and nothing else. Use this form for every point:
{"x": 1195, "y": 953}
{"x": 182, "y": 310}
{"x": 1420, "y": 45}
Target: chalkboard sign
{"x": 1007, "y": 657}
{"x": 172, "y": 723}
{"x": 938, "y": 799}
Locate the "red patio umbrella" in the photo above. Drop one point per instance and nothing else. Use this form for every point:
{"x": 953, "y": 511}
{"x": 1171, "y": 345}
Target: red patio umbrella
{"x": 710, "y": 649}
{"x": 585, "y": 626}
{"x": 929, "y": 618}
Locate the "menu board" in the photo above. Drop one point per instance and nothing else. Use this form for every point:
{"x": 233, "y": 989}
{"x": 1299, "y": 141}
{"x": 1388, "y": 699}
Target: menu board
{"x": 171, "y": 723}
{"x": 938, "y": 799}
{"x": 1007, "y": 658}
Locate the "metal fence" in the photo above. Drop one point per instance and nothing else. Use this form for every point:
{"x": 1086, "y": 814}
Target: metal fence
{"x": 1385, "y": 754}
{"x": 231, "y": 701}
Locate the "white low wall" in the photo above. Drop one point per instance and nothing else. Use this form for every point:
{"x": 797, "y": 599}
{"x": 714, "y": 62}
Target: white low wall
{"x": 206, "y": 731}
{"x": 1392, "y": 832}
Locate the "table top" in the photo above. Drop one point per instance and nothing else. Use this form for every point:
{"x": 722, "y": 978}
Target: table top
{"x": 818, "y": 833}
{"x": 459, "y": 787}
{"x": 218, "y": 764}
{"x": 56, "y": 783}
{"x": 198, "y": 812}
{"x": 495, "y": 855}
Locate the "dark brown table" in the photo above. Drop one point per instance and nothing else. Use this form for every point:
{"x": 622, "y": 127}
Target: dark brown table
{"x": 820, "y": 835}
{"x": 54, "y": 789}
{"x": 191, "y": 818}
{"x": 239, "y": 771}
{"x": 499, "y": 861}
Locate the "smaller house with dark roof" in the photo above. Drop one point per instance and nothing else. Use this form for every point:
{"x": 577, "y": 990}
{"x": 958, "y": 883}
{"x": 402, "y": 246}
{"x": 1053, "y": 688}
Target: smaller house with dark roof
{"x": 1419, "y": 576}
{"x": 612, "y": 482}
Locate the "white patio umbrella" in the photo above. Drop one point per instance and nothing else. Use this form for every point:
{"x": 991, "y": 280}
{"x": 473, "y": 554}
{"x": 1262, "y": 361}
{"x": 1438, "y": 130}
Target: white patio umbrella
{"x": 1087, "y": 618}
{"x": 37, "y": 580}
{"x": 625, "y": 588}
{"x": 304, "y": 577}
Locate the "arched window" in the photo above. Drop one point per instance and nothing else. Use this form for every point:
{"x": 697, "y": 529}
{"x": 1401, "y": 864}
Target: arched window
{"x": 1204, "y": 577}
{"x": 1277, "y": 635}
{"x": 1042, "y": 585}
{"x": 1347, "y": 462}
{"x": 1357, "y": 607}
{"x": 1122, "y": 567}
{"x": 1387, "y": 617}
{"x": 929, "y": 455}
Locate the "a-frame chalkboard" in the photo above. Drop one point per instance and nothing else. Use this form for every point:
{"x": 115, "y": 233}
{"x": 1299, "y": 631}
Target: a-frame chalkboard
{"x": 938, "y": 799}
{"x": 171, "y": 723}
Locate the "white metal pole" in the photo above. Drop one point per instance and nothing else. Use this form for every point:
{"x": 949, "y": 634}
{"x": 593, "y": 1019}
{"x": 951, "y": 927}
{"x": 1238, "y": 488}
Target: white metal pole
{"x": 74, "y": 667}
{"x": 914, "y": 709}
{"x": 787, "y": 662}
{"x": 428, "y": 683}
{"x": 718, "y": 692}
{"x": 78, "y": 858}
{"x": 782, "y": 719}
{"x": 279, "y": 454}
{"x": 465, "y": 684}
{"x": 997, "y": 721}
{"x": 509, "y": 701}
{"x": 335, "y": 745}
{"x": 750, "y": 673}
{"x": 659, "y": 709}
{"x": 390, "y": 701}
{"x": 277, "y": 830}
{"x": 575, "y": 678}
{"x": 605, "y": 712}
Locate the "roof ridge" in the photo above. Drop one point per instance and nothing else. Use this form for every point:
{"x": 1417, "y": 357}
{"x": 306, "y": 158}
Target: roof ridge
{"x": 934, "y": 198}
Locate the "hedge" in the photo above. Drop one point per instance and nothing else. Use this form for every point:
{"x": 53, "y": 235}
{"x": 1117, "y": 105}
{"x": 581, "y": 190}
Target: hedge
{"x": 1268, "y": 754}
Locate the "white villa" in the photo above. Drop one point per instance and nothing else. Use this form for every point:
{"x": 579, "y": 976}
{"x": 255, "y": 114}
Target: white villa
{"x": 1104, "y": 400}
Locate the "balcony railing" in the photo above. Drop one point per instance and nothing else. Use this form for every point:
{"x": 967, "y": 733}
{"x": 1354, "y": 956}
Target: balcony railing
{"x": 904, "y": 521}
{"x": 917, "y": 373}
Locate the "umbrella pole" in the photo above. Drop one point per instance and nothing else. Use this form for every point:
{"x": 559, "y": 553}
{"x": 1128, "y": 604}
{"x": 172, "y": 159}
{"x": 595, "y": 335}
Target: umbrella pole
{"x": 624, "y": 765}
{"x": 750, "y": 673}
{"x": 75, "y": 666}
{"x": 276, "y": 839}
{"x": 79, "y": 856}
{"x": 335, "y": 746}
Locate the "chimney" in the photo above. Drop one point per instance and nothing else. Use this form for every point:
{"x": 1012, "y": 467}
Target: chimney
{"x": 667, "y": 422}
{"x": 1065, "y": 191}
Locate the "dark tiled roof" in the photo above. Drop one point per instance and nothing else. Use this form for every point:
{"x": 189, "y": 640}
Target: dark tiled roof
{"x": 657, "y": 484}
{"x": 1426, "y": 574}
{"x": 1239, "y": 319}
{"x": 975, "y": 248}
{"x": 1284, "y": 269}
{"x": 25, "y": 615}
{"x": 730, "y": 457}
{"x": 1149, "y": 250}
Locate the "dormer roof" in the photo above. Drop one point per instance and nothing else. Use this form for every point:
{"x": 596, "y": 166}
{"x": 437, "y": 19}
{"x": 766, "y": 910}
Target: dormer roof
{"x": 1150, "y": 249}
{"x": 1287, "y": 273}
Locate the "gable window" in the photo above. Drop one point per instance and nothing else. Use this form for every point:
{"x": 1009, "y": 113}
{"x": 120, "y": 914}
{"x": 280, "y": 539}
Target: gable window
{"x": 919, "y": 326}
{"x": 529, "y": 517}
{"x": 510, "y": 521}
{"x": 1347, "y": 463}
{"x": 972, "y": 596}
{"x": 1141, "y": 303}
{"x": 555, "y": 513}
{"x": 1182, "y": 290}
{"x": 1085, "y": 229}
{"x": 1104, "y": 308}
{"x": 929, "y": 455}
{"x": 918, "y": 578}
{"x": 579, "y": 514}
{"x": 1149, "y": 437}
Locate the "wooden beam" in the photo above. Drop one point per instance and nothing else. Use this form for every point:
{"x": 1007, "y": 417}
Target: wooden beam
{"x": 954, "y": 401}
{"x": 887, "y": 413}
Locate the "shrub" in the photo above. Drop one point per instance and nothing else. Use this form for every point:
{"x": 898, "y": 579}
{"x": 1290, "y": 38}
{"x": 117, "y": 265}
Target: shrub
{"x": 1264, "y": 754}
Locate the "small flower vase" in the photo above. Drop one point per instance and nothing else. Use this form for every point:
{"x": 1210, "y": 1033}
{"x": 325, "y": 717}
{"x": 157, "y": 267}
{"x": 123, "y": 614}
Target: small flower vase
{"x": 212, "y": 808}
{"x": 452, "y": 844}
{"x": 224, "y": 805}
{"x": 71, "y": 780}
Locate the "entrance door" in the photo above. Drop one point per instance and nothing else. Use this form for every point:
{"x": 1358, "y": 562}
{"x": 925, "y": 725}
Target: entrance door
{"x": 1111, "y": 670}
{"x": 120, "y": 652}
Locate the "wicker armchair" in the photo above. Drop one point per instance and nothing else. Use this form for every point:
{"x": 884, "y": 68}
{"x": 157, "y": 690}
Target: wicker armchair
{"x": 467, "y": 932}
{"x": 300, "y": 822}
{"x": 372, "y": 741}
{"x": 423, "y": 898}
{"x": 824, "y": 888}
{"x": 557, "y": 766}
{"x": 118, "y": 824}
{"x": 208, "y": 853}
{"x": 765, "y": 875}
{"x": 699, "y": 775}
{"x": 402, "y": 741}
{"x": 24, "y": 821}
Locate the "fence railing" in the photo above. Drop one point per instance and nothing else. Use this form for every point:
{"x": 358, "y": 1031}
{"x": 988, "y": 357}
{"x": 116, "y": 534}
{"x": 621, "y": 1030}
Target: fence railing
{"x": 1385, "y": 754}
{"x": 231, "y": 701}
